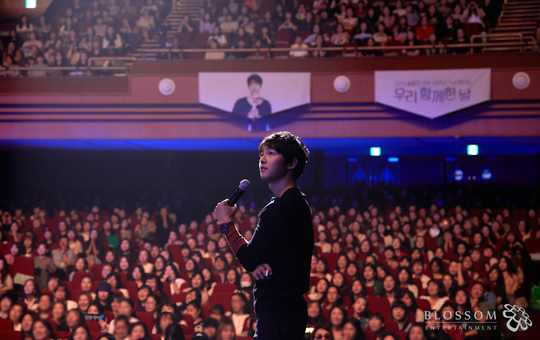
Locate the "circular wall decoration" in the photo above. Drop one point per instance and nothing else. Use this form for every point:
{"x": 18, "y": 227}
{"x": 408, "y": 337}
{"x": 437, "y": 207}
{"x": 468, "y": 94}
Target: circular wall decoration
{"x": 166, "y": 86}
{"x": 342, "y": 84}
{"x": 521, "y": 80}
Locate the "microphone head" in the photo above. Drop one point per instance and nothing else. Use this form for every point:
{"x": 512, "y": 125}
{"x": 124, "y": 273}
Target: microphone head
{"x": 245, "y": 184}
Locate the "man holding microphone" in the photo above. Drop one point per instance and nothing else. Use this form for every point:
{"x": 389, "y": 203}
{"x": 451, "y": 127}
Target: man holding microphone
{"x": 279, "y": 253}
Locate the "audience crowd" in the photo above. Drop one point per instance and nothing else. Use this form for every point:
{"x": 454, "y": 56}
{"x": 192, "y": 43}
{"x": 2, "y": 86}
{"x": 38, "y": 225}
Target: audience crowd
{"x": 323, "y": 23}
{"x": 86, "y": 29}
{"x": 143, "y": 274}
{"x": 116, "y": 27}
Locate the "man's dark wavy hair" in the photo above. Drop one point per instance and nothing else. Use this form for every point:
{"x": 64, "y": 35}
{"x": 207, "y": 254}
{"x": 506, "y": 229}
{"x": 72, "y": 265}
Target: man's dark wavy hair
{"x": 290, "y": 147}
{"x": 254, "y": 78}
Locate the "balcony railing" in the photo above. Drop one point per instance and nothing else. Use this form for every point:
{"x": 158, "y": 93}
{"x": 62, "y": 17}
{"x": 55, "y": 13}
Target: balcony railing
{"x": 106, "y": 65}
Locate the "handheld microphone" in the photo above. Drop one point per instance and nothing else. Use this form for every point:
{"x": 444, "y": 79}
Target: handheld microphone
{"x": 244, "y": 185}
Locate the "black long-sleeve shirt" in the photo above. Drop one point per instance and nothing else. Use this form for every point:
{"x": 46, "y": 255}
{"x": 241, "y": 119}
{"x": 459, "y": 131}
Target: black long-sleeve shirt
{"x": 283, "y": 239}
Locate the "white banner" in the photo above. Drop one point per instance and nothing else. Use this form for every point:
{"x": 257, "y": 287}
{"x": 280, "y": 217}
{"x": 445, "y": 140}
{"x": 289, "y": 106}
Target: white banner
{"x": 254, "y": 94}
{"x": 433, "y": 93}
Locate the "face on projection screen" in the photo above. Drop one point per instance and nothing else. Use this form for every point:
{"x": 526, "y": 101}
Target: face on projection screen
{"x": 254, "y": 94}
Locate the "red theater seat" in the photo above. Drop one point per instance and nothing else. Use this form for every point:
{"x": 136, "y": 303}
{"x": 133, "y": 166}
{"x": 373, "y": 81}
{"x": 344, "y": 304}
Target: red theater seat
{"x": 10, "y": 335}
{"x": 93, "y": 326}
{"x": 6, "y": 324}
{"x": 225, "y": 288}
{"x": 77, "y": 278}
{"x": 379, "y": 305}
{"x": 22, "y": 265}
{"x": 424, "y": 305}
{"x": 223, "y": 299}
{"x": 147, "y": 318}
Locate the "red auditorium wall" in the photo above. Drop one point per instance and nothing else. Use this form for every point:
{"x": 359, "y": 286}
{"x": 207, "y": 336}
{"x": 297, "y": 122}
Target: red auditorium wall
{"x": 101, "y": 109}
{"x": 142, "y": 85}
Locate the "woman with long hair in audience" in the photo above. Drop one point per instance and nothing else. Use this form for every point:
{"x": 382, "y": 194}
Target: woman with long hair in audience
{"x": 370, "y": 275}
{"x": 125, "y": 249}
{"x": 448, "y": 312}
{"x": 31, "y": 295}
{"x": 418, "y": 272}
{"x": 391, "y": 289}
{"x": 233, "y": 277}
{"x": 461, "y": 250}
{"x": 211, "y": 248}
{"x": 318, "y": 291}
{"x": 28, "y": 246}
{"x": 463, "y": 305}
{"x": 73, "y": 243}
{"x": 435, "y": 294}
{"x": 226, "y": 330}
{"x": 336, "y": 320}
{"x": 417, "y": 332}
{"x": 27, "y": 322}
{"x": 410, "y": 300}
{"x": 191, "y": 267}
{"x": 123, "y": 266}
{"x": 467, "y": 267}
{"x": 400, "y": 314}
{"x": 365, "y": 249}
{"x": 139, "y": 330}
{"x": 81, "y": 265}
{"x": 115, "y": 281}
{"x": 420, "y": 244}
{"x": 172, "y": 277}
{"x": 322, "y": 242}
{"x": 80, "y": 333}
{"x": 333, "y": 297}
{"x": 437, "y": 268}
{"x": 321, "y": 269}
{"x": 240, "y": 312}
{"x": 496, "y": 285}
{"x": 138, "y": 275}
{"x": 351, "y": 243}
{"x": 406, "y": 281}
{"x": 377, "y": 326}
{"x": 341, "y": 283}
{"x": 6, "y": 302}
{"x": 209, "y": 280}
{"x": 510, "y": 277}
{"x": 45, "y": 306}
{"x": 144, "y": 261}
{"x": 194, "y": 295}
{"x": 449, "y": 285}
{"x": 376, "y": 245}
{"x": 361, "y": 312}
{"x": 357, "y": 290}
{"x": 85, "y": 300}
{"x": 121, "y": 329}
{"x": 433, "y": 327}
{"x": 352, "y": 271}
{"x": 42, "y": 330}
{"x": 58, "y": 315}
{"x": 127, "y": 309}
{"x": 16, "y": 314}
{"x": 341, "y": 263}
{"x": 61, "y": 294}
{"x": 151, "y": 305}
{"x": 194, "y": 309}
{"x": 159, "y": 266}
{"x": 220, "y": 267}
{"x": 163, "y": 320}
{"x": 315, "y": 314}
{"x": 6, "y": 281}
{"x": 352, "y": 330}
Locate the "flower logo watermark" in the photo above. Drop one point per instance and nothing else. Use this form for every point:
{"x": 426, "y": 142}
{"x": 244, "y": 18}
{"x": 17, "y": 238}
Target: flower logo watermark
{"x": 517, "y": 318}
